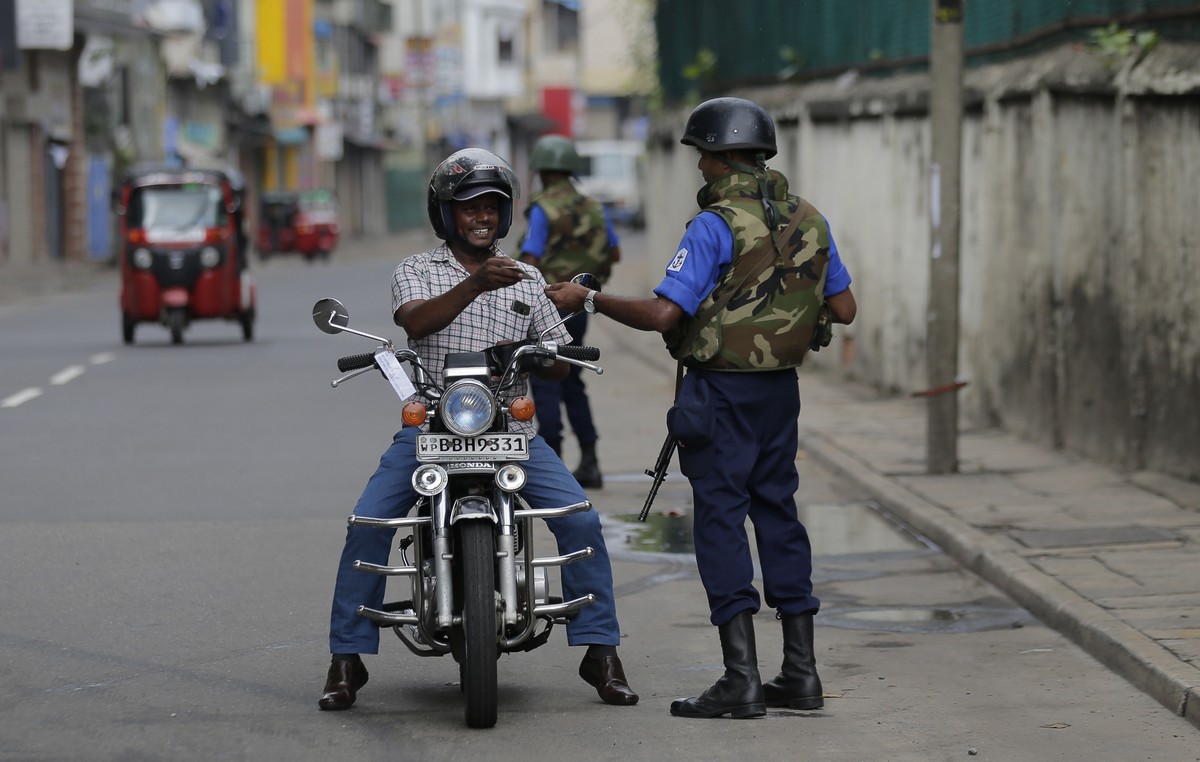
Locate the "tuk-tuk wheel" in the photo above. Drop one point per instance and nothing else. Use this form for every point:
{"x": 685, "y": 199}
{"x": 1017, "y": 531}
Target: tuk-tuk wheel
{"x": 127, "y": 327}
{"x": 247, "y": 320}
{"x": 175, "y": 321}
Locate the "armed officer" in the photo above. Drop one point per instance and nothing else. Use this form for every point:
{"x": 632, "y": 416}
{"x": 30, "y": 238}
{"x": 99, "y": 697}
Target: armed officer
{"x": 568, "y": 233}
{"x": 742, "y": 301}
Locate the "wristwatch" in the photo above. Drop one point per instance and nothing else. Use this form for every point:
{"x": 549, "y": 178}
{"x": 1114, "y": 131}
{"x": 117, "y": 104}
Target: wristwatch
{"x": 589, "y": 303}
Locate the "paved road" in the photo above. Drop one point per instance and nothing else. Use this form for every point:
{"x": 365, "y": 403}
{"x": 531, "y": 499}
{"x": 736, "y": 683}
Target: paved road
{"x": 170, "y": 518}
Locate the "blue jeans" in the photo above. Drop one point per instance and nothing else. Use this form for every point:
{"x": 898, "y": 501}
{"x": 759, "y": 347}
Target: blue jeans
{"x": 389, "y": 494}
{"x": 550, "y": 396}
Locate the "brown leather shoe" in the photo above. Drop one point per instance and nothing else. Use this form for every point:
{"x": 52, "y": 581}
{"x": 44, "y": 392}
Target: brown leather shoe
{"x": 606, "y": 675}
{"x": 346, "y": 677}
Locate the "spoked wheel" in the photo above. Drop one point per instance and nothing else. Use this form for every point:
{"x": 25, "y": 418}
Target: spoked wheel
{"x": 477, "y": 547}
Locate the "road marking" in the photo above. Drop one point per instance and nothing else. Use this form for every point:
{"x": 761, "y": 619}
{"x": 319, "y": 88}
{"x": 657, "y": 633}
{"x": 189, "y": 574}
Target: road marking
{"x": 21, "y": 397}
{"x": 102, "y": 358}
{"x": 67, "y": 374}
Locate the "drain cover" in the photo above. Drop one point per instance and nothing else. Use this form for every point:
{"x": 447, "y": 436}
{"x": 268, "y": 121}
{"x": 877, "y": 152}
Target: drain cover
{"x": 1066, "y": 538}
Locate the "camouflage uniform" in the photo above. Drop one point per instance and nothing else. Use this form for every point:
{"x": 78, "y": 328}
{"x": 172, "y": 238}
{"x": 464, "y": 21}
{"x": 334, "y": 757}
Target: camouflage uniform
{"x": 769, "y": 321}
{"x": 578, "y": 236}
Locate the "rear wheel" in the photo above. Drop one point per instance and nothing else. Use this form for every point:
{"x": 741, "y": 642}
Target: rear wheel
{"x": 477, "y": 548}
{"x": 247, "y": 321}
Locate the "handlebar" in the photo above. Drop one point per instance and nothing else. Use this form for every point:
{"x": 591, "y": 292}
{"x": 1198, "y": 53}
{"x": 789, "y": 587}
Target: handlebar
{"x": 572, "y": 352}
{"x": 355, "y": 362}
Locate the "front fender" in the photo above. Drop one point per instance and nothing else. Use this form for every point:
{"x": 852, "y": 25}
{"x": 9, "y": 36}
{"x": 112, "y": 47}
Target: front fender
{"x": 473, "y": 507}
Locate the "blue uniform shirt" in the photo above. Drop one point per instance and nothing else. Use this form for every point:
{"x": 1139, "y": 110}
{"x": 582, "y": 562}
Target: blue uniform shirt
{"x": 706, "y": 249}
{"x": 538, "y": 233}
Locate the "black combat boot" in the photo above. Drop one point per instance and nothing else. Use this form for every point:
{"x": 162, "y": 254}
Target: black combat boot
{"x": 797, "y": 685}
{"x": 739, "y": 692}
{"x": 588, "y": 473}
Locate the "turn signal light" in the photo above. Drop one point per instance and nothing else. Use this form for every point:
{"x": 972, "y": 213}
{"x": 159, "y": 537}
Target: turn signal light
{"x": 414, "y": 413}
{"x": 521, "y": 409}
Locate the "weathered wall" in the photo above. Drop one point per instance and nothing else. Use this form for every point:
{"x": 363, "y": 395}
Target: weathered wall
{"x": 1080, "y": 222}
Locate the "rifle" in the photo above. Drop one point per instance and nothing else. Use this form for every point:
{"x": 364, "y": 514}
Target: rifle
{"x": 659, "y": 473}
{"x": 664, "y": 455}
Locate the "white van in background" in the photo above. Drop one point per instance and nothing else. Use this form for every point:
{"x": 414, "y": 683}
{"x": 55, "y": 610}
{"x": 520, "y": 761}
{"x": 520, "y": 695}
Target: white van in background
{"x": 610, "y": 172}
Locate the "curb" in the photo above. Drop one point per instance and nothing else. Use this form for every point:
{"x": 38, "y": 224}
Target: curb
{"x": 1145, "y": 664}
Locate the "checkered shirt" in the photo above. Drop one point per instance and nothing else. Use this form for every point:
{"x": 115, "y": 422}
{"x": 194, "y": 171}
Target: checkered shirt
{"x": 489, "y": 319}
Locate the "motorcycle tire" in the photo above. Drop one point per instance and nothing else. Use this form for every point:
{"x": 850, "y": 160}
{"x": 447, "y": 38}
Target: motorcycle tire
{"x": 175, "y": 322}
{"x": 476, "y": 546}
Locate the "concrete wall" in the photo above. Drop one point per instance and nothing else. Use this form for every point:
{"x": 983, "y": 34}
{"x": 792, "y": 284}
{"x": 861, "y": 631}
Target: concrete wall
{"x": 1080, "y": 226}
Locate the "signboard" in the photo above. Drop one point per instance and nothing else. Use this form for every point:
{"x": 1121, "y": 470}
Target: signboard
{"x": 45, "y": 24}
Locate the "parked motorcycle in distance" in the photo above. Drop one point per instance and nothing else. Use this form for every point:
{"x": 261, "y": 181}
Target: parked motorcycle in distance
{"x": 478, "y": 588}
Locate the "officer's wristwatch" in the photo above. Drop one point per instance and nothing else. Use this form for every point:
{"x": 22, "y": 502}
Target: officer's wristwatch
{"x": 589, "y": 303}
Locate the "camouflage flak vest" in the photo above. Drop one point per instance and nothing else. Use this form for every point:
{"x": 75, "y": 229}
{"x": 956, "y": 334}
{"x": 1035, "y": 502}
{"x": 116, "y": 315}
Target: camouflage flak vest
{"x": 768, "y": 322}
{"x": 578, "y": 238}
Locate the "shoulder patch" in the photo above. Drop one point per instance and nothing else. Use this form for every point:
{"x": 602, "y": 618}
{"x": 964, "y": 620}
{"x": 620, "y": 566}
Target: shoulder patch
{"x": 677, "y": 263}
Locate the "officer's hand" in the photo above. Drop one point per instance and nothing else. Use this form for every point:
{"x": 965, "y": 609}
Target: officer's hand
{"x": 567, "y": 296}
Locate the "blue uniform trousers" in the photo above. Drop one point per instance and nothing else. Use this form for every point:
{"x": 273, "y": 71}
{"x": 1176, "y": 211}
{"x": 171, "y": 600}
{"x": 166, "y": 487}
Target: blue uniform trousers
{"x": 550, "y": 396}
{"x": 753, "y": 474}
{"x": 389, "y": 494}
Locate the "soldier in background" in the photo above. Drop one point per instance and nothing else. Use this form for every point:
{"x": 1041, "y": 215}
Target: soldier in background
{"x": 745, "y": 296}
{"x": 567, "y": 234}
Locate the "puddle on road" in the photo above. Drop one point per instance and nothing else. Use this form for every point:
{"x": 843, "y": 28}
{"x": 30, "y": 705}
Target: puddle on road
{"x": 833, "y": 529}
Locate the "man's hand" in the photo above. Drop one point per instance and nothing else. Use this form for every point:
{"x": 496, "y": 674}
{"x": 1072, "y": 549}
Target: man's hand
{"x": 497, "y": 273}
{"x": 567, "y": 296}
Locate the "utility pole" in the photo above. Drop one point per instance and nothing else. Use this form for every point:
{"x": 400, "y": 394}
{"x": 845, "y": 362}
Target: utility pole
{"x": 941, "y": 349}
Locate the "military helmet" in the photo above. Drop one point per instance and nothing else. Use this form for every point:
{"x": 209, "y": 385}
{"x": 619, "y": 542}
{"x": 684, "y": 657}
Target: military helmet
{"x": 464, "y": 175}
{"x": 554, "y": 153}
{"x": 730, "y": 124}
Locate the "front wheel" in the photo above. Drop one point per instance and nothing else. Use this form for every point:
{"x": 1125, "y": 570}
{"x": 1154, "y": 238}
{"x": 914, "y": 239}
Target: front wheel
{"x": 476, "y": 544}
{"x": 175, "y": 322}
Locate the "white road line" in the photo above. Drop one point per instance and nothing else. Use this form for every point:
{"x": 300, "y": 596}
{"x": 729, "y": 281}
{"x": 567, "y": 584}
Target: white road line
{"x": 67, "y": 374}
{"x": 102, "y": 358}
{"x": 21, "y": 397}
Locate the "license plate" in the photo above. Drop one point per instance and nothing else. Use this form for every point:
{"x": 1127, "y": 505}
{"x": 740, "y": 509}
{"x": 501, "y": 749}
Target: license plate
{"x": 483, "y": 447}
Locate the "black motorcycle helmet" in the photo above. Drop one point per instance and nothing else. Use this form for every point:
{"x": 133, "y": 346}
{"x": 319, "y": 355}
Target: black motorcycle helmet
{"x": 464, "y": 175}
{"x": 729, "y": 124}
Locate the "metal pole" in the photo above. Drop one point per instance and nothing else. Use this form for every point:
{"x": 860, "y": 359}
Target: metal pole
{"x": 941, "y": 352}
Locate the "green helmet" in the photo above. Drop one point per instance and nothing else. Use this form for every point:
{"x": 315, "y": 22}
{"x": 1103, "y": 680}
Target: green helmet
{"x": 554, "y": 153}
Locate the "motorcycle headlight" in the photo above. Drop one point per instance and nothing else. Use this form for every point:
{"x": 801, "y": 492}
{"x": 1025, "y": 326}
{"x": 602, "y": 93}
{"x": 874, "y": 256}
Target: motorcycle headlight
{"x": 468, "y": 408}
{"x": 142, "y": 259}
{"x": 209, "y": 256}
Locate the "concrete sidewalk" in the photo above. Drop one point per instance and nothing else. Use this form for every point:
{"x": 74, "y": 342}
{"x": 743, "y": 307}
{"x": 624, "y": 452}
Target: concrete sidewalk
{"x": 1110, "y": 560}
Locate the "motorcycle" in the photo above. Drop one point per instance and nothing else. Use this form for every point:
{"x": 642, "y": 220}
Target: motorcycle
{"x": 478, "y": 587}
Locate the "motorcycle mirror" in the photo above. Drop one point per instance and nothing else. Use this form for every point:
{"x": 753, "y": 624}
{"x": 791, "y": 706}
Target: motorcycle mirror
{"x": 587, "y": 280}
{"x": 330, "y": 315}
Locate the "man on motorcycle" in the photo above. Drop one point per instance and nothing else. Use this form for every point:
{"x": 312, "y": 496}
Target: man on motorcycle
{"x": 743, "y": 299}
{"x": 465, "y": 296}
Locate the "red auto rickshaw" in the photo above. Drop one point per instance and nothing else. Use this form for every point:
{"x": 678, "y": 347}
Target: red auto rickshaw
{"x": 182, "y": 249}
{"x": 298, "y": 222}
